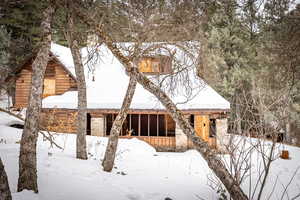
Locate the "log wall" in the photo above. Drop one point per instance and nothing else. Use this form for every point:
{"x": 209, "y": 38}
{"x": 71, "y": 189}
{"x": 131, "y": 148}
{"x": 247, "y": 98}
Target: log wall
{"x": 23, "y": 87}
{"x": 58, "y": 120}
{"x": 55, "y": 71}
{"x": 63, "y": 81}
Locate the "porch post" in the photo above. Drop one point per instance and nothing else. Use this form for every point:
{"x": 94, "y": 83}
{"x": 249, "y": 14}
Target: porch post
{"x": 148, "y": 124}
{"x": 166, "y": 123}
{"x": 139, "y": 125}
{"x": 129, "y": 122}
{"x": 157, "y": 125}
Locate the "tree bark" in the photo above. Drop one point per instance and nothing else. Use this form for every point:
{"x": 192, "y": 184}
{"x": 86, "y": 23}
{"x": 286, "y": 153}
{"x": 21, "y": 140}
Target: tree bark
{"x": 4, "y": 186}
{"x": 109, "y": 158}
{"x": 27, "y": 158}
{"x": 81, "y": 85}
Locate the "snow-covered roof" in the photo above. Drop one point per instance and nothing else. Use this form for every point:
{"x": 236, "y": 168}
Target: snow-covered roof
{"x": 109, "y": 87}
{"x": 63, "y": 54}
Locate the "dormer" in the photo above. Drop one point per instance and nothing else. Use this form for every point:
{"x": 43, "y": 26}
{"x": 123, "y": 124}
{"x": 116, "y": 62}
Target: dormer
{"x": 155, "y": 65}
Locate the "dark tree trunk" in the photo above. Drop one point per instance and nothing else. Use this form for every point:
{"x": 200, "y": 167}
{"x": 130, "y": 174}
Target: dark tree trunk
{"x": 111, "y": 148}
{"x": 4, "y": 186}
{"x": 27, "y": 158}
{"x": 81, "y": 85}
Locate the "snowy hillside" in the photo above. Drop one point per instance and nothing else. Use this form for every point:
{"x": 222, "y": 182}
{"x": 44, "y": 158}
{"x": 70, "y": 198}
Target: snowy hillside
{"x": 140, "y": 172}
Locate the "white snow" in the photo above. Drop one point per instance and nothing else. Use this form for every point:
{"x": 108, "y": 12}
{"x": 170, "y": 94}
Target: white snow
{"x": 63, "y": 54}
{"x": 6, "y": 119}
{"x": 109, "y": 87}
{"x": 140, "y": 172}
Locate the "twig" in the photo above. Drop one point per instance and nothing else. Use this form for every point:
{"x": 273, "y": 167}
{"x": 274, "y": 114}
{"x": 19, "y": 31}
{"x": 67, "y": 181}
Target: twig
{"x": 49, "y": 138}
{"x": 286, "y": 187}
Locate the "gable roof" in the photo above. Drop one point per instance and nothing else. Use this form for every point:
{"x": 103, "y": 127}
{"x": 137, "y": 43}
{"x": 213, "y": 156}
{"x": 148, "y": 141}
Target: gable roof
{"x": 53, "y": 55}
{"x": 111, "y": 81}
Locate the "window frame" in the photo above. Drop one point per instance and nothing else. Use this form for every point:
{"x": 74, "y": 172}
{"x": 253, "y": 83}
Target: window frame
{"x": 163, "y": 69}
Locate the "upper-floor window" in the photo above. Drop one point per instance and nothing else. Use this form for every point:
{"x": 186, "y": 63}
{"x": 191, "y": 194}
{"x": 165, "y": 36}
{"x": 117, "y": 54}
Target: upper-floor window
{"x": 155, "y": 65}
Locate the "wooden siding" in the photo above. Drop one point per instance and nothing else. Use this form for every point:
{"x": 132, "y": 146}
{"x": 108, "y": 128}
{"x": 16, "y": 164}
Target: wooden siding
{"x": 201, "y": 123}
{"x": 59, "y": 121}
{"x": 61, "y": 80}
{"x": 23, "y": 87}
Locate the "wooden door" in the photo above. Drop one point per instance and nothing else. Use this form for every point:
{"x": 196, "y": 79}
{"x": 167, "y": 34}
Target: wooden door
{"x": 201, "y": 123}
{"x": 49, "y": 87}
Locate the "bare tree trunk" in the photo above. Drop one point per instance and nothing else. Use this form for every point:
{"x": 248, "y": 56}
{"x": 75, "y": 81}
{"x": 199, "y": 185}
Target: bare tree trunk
{"x": 81, "y": 85}
{"x": 109, "y": 158}
{"x": 4, "y": 186}
{"x": 27, "y": 158}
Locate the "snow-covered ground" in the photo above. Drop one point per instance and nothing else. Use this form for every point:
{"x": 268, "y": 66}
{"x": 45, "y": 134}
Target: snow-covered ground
{"x": 140, "y": 172}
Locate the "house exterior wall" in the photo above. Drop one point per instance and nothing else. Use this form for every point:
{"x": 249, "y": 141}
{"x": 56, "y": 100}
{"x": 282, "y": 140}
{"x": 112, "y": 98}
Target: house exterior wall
{"x": 64, "y": 120}
{"x": 57, "y": 120}
{"x": 23, "y": 87}
{"x": 63, "y": 82}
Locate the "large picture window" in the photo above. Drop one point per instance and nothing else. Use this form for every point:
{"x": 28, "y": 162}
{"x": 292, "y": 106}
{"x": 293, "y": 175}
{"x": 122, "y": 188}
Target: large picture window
{"x": 144, "y": 125}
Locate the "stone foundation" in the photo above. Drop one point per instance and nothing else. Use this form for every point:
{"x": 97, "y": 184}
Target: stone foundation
{"x": 222, "y": 135}
{"x": 98, "y": 126}
{"x": 181, "y": 139}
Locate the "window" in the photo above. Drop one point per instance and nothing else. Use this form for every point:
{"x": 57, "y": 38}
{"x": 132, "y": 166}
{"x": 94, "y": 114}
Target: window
{"x": 109, "y": 122}
{"x": 49, "y": 81}
{"x": 134, "y": 122}
{"x": 153, "y": 125}
{"x": 171, "y": 126}
{"x": 212, "y": 128}
{"x": 49, "y": 87}
{"x": 144, "y": 125}
{"x": 161, "y": 125}
{"x": 155, "y": 65}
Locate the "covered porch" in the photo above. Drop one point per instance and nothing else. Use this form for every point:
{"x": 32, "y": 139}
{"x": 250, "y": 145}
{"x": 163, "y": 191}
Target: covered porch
{"x": 160, "y": 130}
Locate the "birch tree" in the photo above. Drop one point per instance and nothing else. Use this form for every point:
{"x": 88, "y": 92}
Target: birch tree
{"x": 81, "y": 85}
{"x": 208, "y": 154}
{"x": 27, "y": 158}
{"x": 4, "y": 186}
{"x": 110, "y": 153}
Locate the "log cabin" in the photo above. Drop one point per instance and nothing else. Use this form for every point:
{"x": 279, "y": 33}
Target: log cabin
{"x": 147, "y": 119}
{"x": 58, "y": 79}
